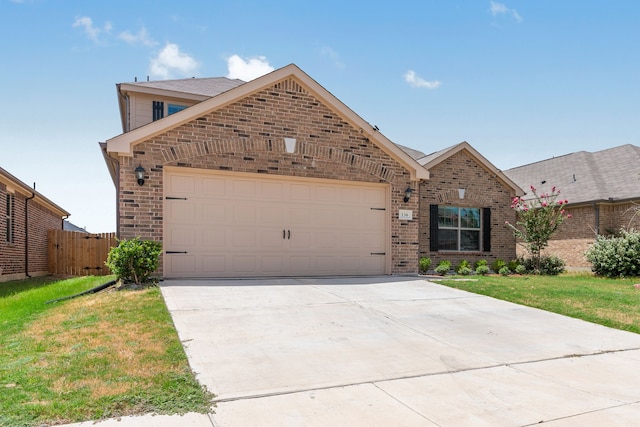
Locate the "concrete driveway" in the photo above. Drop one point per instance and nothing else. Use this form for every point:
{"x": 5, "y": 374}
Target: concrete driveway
{"x": 397, "y": 351}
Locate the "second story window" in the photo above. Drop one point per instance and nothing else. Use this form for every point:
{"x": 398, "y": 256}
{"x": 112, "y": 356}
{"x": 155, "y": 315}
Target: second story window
{"x": 158, "y": 110}
{"x": 174, "y": 108}
{"x": 10, "y": 218}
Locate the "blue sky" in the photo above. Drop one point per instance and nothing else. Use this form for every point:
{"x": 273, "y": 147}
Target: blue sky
{"x": 521, "y": 81}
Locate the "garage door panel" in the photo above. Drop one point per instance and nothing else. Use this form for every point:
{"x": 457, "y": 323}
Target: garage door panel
{"x": 213, "y": 264}
{"x": 213, "y": 186}
{"x": 184, "y": 184}
{"x": 232, "y": 225}
{"x": 212, "y": 212}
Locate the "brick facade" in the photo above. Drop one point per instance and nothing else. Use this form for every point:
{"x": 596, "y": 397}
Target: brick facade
{"x": 482, "y": 190}
{"x": 248, "y": 136}
{"x": 12, "y": 255}
{"x": 577, "y": 233}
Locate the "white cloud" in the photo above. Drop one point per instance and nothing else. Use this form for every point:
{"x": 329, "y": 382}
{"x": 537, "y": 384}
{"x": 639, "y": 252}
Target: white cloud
{"x": 90, "y": 30}
{"x": 500, "y": 9}
{"x": 328, "y": 52}
{"x": 416, "y": 81}
{"x": 141, "y": 38}
{"x": 171, "y": 62}
{"x": 249, "y": 69}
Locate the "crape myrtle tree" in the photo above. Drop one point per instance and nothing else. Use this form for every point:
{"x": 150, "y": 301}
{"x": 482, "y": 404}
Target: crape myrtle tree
{"x": 537, "y": 219}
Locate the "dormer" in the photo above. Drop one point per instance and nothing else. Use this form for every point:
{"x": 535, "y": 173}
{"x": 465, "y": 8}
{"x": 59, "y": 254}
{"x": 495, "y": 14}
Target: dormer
{"x": 144, "y": 102}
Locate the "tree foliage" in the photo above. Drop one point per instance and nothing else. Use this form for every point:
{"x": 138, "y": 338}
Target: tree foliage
{"x": 538, "y": 218}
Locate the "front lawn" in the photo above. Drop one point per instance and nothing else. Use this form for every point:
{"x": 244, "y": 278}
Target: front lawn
{"x": 609, "y": 302}
{"x": 102, "y": 355}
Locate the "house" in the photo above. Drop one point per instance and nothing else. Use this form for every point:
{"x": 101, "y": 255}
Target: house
{"x": 603, "y": 191}
{"x": 277, "y": 177}
{"x": 26, "y": 218}
{"x": 463, "y": 206}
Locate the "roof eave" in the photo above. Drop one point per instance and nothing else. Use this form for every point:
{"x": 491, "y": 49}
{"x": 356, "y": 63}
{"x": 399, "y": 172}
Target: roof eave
{"x": 123, "y": 144}
{"x": 446, "y": 153}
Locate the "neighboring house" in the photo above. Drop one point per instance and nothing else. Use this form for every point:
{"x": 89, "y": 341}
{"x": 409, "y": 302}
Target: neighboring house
{"x": 277, "y": 177}
{"x": 68, "y": 226}
{"x": 26, "y": 218}
{"x": 603, "y": 190}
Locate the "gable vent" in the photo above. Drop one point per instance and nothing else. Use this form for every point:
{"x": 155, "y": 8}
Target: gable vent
{"x": 290, "y": 85}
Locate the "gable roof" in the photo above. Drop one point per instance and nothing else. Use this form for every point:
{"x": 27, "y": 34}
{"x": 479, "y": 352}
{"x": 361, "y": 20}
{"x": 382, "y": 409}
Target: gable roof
{"x": 208, "y": 87}
{"x": 124, "y": 143}
{"x": 611, "y": 174}
{"x": 429, "y": 161}
{"x": 13, "y": 184}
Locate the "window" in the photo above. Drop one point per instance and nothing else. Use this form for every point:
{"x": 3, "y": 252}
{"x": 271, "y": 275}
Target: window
{"x": 158, "y": 110}
{"x": 460, "y": 229}
{"x": 10, "y": 215}
{"x": 174, "y": 108}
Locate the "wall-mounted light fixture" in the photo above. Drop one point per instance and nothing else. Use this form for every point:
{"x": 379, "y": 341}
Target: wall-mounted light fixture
{"x": 140, "y": 174}
{"x": 407, "y": 194}
{"x": 461, "y": 192}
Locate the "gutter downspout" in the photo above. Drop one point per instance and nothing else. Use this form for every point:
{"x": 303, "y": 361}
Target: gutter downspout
{"x": 26, "y": 231}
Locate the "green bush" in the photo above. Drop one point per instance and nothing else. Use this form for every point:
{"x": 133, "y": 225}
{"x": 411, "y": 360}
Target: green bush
{"x": 616, "y": 256}
{"x": 482, "y": 270}
{"x": 513, "y": 265}
{"x": 498, "y": 264}
{"x": 424, "y": 264}
{"x": 549, "y": 265}
{"x": 133, "y": 260}
{"x": 464, "y": 267}
{"x": 443, "y": 267}
{"x": 504, "y": 271}
{"x": 521, "y": 269}
{"x": 480, "y": 263}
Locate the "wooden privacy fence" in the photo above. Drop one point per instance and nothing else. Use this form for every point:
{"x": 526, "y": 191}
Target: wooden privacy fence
{"x": 79, "y": 254}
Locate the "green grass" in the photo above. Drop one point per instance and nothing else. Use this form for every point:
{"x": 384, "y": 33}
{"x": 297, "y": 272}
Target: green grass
{"x": 103, "y": 355}
{"x": 609, "y": 302}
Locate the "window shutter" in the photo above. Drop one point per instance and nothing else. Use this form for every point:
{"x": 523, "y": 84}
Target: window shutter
{"x": 486, "y": 229}
{"x": 433, "y": 228}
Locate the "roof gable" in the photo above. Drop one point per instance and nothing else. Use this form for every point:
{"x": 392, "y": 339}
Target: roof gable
{"x": 611, "y": 174}
{"x": 430, "y": 161}
{"x": 123, "y": 144}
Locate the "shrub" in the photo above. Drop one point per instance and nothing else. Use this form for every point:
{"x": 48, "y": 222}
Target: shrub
{"x": 424, "y": 264}
{"x": 443, "y": 267}
{"x": 480, "y": 263}
{"x": 482, "y": 270}
{"x": 521, "y": 269}
{"x": 548, "y": 265}
{"x": 464, "y": 267}
{"x": 513, "y": 265}
{"x": 497, "y": 265}
{"x": 616, "y": 256}
{"x": 133, "y": 260}
{"x": 504, "y": 271}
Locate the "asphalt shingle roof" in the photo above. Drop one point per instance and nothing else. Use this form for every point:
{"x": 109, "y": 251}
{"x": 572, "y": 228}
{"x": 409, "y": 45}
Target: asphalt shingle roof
{"x": 209, "y": 86}
{"x": 612, "y": 174}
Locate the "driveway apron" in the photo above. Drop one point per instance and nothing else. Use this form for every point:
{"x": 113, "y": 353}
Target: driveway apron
{"x": 398, "y": 351}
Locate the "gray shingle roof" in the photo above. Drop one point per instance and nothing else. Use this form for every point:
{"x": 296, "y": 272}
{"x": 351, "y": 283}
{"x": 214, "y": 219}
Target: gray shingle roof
{"x": 612, "y": 174}
{"x": 209, "y": 86}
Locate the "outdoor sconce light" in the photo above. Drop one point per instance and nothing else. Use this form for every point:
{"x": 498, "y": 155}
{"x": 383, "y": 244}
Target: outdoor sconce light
{"x": 140, "y": 174}
{"x": 407, "y": 194}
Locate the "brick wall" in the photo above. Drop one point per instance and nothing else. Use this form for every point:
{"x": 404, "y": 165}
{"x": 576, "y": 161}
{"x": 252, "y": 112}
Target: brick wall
{"x": 248, "y": 136}
{"x": 12, "y": 255}
{"x": 482, "y": 189}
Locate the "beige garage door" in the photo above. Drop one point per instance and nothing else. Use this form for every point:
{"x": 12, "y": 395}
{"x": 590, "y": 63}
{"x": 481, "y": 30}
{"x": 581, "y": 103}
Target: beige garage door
{"x": 221, "y": 224}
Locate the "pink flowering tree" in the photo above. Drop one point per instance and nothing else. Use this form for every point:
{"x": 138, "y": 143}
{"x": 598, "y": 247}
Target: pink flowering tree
{"x": 538, "y": 218}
